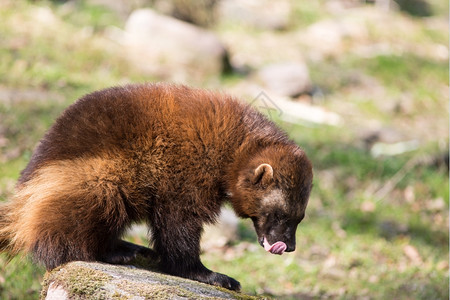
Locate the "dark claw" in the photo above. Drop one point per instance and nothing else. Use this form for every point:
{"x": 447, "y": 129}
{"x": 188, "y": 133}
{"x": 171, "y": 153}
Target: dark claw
{"x": 221, "y": 280}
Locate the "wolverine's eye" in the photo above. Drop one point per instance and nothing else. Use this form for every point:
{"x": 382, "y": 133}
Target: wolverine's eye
{"x": 280, "y": 217}
{"x": 265, "y": 215}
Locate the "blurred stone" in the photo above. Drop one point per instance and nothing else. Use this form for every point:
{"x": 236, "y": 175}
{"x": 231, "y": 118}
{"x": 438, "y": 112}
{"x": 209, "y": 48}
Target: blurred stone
{"x": 333, "y": 274}
{"x": 223, "y": 232}
{"x": 44, "y": 16}
{"x": 412, "y": 253}
{"x": 263, "y": 14}
{"x": 328, "y": 37}
{"x": 330, "y": 262}
{"x": 284, "y": 108}
{"x": 172, "y": 49}
{"x": 409, "y": 194}
{"x": 384, "y": 149}
{"x": 387, "y": 142}
{"x": 420, "y": 8}
{"x": 366, "y": 31}
{"x": 337, "y": 229}
{"x": 367, "y": 206}
{"x": 440, "y": 160}
{"x": 288, "y": 79}
{"x": 198, "y": 12}
{"x": 339, "y": 6}
{"x": 442, "y": 265}
{"x": 390, "y": 229}
{"x": 383, "y": 135}
{"x": 437, "y": 204}
{"x": 353, "y": 30}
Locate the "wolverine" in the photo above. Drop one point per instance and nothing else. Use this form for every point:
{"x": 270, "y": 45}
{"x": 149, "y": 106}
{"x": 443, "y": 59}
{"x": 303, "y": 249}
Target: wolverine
{"x": 164, "y": 154}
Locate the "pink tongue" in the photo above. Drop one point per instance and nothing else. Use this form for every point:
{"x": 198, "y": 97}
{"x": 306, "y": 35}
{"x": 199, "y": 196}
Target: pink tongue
{"x": 277, "y": 248}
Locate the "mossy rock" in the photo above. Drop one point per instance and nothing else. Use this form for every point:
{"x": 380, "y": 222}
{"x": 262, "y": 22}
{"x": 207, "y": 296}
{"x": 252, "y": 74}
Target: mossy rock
{"x": 92, "y": 280}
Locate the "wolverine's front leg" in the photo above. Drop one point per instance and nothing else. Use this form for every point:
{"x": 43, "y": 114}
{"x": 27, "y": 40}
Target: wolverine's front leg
{"x": 177, "y": 241}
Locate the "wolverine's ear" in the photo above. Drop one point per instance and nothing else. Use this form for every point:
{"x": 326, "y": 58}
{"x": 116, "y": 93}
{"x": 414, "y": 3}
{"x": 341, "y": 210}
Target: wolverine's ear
{"x": 264, "y": 174}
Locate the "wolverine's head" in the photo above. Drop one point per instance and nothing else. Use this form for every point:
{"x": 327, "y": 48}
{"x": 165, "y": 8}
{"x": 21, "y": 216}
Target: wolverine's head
{"x": 274, "y": 191}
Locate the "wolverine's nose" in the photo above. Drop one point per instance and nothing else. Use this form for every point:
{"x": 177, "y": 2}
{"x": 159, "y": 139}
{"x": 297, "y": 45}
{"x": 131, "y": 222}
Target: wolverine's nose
{"x": 290, "y": 247}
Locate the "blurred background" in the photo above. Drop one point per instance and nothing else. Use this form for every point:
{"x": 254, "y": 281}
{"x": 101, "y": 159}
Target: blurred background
{"x": 362, "y": 86}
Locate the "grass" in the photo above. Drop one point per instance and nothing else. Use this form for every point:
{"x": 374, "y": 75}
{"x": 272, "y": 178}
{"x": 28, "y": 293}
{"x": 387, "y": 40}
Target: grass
{"x": 20, "y": 279}
{"x": 376, "y": 227}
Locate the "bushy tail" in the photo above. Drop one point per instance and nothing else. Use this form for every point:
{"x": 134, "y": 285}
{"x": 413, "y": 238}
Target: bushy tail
{"x": 5, "y": 222}
{"x": 15, "y": 215}
{"x": 69, "y": 210}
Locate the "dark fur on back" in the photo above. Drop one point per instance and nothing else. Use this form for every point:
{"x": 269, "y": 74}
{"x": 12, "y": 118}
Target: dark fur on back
{"x": 165, "y": 154}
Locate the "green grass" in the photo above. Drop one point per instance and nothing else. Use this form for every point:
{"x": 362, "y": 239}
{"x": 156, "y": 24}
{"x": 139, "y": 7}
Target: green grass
{"x": 304, "y": 15}
{"x": 21, "y": 279}
{"x": 355, "y": 239}
{"x": 398, "y": 72}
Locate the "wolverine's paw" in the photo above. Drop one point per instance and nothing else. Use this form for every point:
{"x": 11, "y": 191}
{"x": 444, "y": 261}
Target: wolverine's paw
{"x": 221, "y": 280}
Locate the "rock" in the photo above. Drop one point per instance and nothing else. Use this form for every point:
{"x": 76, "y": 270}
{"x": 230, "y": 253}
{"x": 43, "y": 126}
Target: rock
{"x": 283, "y": 108}
{"x": 288, "y": 79}
{"x": 329, "y": 37}
{"x": 44, "y": 16}
{"x": 294, "y": 112}
{"x": 390, "y": 229}
{"x": 56, "y": 292}
{"x": 92, "y": 280}
{"x": 385, "y": 149}
{"x": 223, "y": 232}
{"x": 421, "y": 8}
{"x": 387, "y": 142}
{"x": 412, "y": 254}
{"x": 366, "y": 31}
{"x": 380, "y": 135}
{"x": 440, "y": 160}
{"x": 262, "y": 14}
{"x": 172, "y": 49}
{"x": 367, "y": 206}
{"x": 436, "y": 205}
{"x": 198, "y": 12}
{"x": 340, "y": 6}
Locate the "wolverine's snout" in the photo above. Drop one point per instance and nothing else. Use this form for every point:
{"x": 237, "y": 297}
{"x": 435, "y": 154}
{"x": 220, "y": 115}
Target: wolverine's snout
{"x": 290, "y": 247}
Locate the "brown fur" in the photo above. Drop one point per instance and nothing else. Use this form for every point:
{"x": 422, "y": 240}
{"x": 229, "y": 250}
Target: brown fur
{"x": 165, "y": 154}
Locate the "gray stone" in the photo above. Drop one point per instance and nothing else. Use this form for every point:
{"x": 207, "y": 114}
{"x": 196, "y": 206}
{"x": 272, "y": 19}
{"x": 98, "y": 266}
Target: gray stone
{"x": 198, "y": 12}
{"x": 172, "y": 49}
{"x": 91, "y": 280}
{"x": 263, "y": 14}
{"x": 329, "y": 37}
{"x": 286, "y": 79}
{"x": 284, "y": 108}
{"x": 222, "y": 233}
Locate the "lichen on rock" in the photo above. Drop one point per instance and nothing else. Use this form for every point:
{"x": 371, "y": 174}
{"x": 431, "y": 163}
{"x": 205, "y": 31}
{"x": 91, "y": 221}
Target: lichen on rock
{"x": 93, "y": 280}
